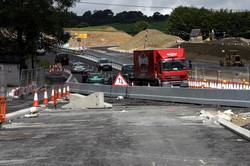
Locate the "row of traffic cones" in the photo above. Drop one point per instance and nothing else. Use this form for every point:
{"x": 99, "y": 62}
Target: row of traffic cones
{"x": 55, "y": 94}
{"x": 218, "y": 85}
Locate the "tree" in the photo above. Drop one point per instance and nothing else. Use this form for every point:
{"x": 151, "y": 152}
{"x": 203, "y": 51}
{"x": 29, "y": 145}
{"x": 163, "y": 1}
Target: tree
{"x": 86, "y": 17}
{"x": 29, "y": 19}
{"x": 140, "y": 26}
{"x": 101, "y": 17}
{"x": 159, "y": 17}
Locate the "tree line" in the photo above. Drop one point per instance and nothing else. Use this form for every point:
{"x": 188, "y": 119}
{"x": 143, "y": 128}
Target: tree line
{"x": 180, "y": 22}
{"x": 230, "y": 23}
{"x": 102, "y": 17}
{"x": 29, "y": 20}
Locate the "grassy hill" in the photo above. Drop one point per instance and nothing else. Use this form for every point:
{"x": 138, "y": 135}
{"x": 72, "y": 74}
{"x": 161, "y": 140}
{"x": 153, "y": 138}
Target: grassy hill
{"x": 125, "y": 27}
{"x": 130, "y": 27}
{"x": 97, "y": 36}
{"x": 104, "y": 28}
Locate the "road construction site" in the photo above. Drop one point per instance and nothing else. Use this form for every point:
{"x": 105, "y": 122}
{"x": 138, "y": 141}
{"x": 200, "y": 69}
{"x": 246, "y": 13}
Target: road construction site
{"x": 132, "y": 125}
{"x": 130, "y": 133}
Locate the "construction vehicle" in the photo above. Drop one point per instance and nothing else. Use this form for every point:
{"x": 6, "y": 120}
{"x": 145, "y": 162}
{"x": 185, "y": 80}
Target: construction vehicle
{"x": 160, "y": 67}
{"x": 231, "y": 58}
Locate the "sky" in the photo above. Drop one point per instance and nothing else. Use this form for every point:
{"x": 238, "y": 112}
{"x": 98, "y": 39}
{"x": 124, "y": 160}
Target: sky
{"x": 80, "y": 8}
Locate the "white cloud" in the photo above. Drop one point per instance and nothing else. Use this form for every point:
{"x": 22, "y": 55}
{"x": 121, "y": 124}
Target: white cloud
{"x": 80, "y": 8}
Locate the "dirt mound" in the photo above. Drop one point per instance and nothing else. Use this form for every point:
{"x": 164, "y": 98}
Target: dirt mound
{"x": 98, "y": 37}
{"x": 93, "y": 28}
{"x": 151, "y": 39}
{"x": 212, "y": 51}
{"x": 235, "y": 40}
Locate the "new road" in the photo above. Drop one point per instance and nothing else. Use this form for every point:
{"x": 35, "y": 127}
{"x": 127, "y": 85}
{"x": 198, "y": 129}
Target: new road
{"x": 131, "y": 133}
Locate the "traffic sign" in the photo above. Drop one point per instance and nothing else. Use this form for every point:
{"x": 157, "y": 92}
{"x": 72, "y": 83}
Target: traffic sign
{"x": 83, "y": 35}
{"x": 120, "y": 81}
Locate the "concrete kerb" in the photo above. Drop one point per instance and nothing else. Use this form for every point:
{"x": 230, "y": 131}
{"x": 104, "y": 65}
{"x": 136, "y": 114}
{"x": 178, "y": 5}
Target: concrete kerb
{"x": 236, "y": 129}
{"x": 20, "y": 113}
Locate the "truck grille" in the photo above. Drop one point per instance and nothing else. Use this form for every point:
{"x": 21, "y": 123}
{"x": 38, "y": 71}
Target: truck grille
{"x": 175, "y": 77}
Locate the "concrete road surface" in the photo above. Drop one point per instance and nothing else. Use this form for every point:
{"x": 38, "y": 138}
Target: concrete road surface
{"x": 149, "y": 135}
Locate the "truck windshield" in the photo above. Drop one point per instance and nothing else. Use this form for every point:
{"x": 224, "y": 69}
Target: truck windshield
{"x": 173, "y": 65}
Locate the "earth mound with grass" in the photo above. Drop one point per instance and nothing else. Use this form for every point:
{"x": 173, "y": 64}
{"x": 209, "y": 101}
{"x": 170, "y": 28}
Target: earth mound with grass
{"x": 150, "y": 38}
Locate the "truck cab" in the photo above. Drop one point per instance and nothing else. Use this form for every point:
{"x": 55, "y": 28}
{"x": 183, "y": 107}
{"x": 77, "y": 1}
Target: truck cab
{"x": 160, "y": 67}
{"x": 174, "y": 72}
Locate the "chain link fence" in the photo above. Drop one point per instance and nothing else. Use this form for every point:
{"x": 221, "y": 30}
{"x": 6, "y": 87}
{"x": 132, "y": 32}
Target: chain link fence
{"x": 240, "y": 75}
{"x": 34, "y": 77}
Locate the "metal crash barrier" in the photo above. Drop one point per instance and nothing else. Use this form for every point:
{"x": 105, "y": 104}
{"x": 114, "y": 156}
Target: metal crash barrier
{"x": 237, "y": 98}
{"x": 2, "y": 109}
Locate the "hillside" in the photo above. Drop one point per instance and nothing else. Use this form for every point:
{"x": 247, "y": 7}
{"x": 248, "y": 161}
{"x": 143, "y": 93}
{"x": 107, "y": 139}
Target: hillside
{"x": 130, "y": 27}
{"x": 103, "y": 28}
{"x": 211, "y": 51}
{"x": 151, "y": 38}
{"x": 97, "y": 36}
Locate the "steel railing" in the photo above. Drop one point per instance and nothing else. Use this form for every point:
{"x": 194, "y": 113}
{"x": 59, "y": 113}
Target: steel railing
{"x": 86, "y": 55}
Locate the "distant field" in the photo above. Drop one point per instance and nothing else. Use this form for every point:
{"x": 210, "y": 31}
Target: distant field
{"x": 130, "y": 27}
{"x": 93, "y": 28}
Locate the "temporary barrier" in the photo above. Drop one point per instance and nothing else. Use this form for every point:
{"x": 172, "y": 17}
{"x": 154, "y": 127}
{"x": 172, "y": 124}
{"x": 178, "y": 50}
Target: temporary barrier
{"x": 2, "y": 109}
{"x": 55, "y": 68}
{"x": 184, "y": 95}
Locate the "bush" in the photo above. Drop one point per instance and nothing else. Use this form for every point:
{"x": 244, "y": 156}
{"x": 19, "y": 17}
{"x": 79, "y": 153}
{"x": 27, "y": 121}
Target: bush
{"x": 44, "y": 63}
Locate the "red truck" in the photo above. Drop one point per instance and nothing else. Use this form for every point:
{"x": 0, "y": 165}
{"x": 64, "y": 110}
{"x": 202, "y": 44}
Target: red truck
{"x": 160, "y": 67}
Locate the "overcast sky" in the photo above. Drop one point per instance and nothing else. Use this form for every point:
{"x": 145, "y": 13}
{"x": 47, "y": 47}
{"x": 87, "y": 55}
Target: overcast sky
{"x": 80, "y": 8}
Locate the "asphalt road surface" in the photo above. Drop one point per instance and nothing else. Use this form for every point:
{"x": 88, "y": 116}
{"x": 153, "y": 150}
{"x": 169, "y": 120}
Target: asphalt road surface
{"x": 147, "y": 134}
{"x": 127, "y": 58}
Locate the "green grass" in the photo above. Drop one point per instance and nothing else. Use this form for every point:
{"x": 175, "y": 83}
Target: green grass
{"x": 128, "y": 27}
{"x": 161, "y": 26}
{"x": 105, "y": 28}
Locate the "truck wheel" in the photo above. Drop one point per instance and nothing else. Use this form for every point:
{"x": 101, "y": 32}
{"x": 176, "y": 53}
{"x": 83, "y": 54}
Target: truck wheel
{"x": 158, "y": 83}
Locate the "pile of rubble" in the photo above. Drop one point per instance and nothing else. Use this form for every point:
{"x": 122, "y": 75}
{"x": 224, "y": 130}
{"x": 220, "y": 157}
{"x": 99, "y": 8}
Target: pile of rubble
{"x": 238, "y": 123}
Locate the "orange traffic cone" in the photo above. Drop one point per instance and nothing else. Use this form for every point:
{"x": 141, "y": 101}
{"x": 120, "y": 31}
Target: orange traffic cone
{"x": 2, "y": 110}
{"x": 45, "y": 98}
{"x": 67, "y": 90}
{"x": 64, "y": 92}
{"x": 52, "y": 95}
{"x": 59, "y": 93}
{"x": 35, "y": 102}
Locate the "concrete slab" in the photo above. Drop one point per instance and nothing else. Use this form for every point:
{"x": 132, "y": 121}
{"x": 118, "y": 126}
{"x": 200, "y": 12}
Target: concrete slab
{"x": 20, "y": 113}
{"x": 95, "y": 100}
{"x": 236, "y": 129}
